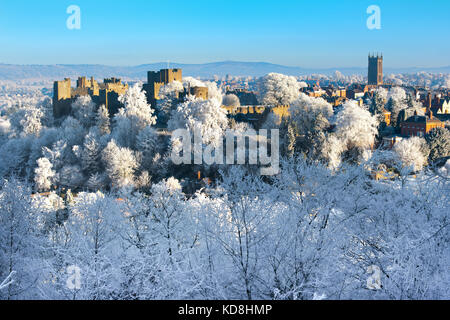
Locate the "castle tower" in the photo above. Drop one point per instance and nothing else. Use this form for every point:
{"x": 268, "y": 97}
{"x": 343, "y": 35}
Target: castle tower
{"x": 62, "y": 94}
{"x": 375, "y": 75}
{"x": 155, "y": 80}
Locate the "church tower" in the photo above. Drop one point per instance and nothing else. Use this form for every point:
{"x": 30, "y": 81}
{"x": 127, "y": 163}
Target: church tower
{"x": 375, "y": 75}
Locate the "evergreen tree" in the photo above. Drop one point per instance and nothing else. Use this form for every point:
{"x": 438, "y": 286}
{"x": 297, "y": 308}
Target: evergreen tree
{"x": 438, "y": 141}
{"x": 102, "y": 120}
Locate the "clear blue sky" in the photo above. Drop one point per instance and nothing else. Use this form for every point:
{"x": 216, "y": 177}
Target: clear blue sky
{"x": 289, "y": 32}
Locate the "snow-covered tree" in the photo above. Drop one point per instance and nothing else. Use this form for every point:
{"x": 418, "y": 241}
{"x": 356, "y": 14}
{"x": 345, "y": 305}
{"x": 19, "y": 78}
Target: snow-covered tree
{"x": 84, "y": 110}
{"x": 397, "y": 101}
{"x": 71, "y": 176}
{"x": 120, "y": 164}
{"x": 102, "y": 120}
{"x": 21, "y": 248}
{"x": 146, "y": 143}
{"x": 438, "y": 141}
{"x": 96, "y": 182}
{"x": 44, "y": 175}
{"x": 356, "y": 128}
{"x": 278, "y": 89}
{"x": 133, "y": 117}
{"x": 93, "y": 244}
{"x": 71, "y": 132}
{"x": 214, "y": 93}
{"x": 231, "y": 100}
{"x": 31, "y": 123}
{"x": 90, "y": 156}
{"x": 378, "y": 102}
{"x": 412, "y": 152}
{"x": 169, "y": 219}
{"x": 207, "y": 116}
{"x": 310, "y": 114}
{"x": 168, "y": 99}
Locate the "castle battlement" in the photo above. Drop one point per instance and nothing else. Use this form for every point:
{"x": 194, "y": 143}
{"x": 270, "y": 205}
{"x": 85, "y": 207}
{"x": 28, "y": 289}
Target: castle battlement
{"x": 106, "y": 93}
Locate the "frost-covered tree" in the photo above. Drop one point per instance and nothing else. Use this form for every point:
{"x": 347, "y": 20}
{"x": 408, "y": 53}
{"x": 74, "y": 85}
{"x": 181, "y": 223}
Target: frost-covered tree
{"x": 146, "y": 143}
{"x": 412, "y": 152}
{"x": 397, "y": 101}
{"x": 96, "y": 182}
{"x": 214, "y": 93}
{"x": 168, "y": 100}
{"x": 71, "y": 132}
{"x": 26, "y": 121}
{"x": 207, "y": 116}
{"x": 356, "y": 129}
{"x": 93, "y": 244}
{"x": 21, "y": 248}
{"x": 310, "y": 114}
{"x": 71, "y": 176}
{"x": 133, "y": 117}
{"x": 305, "y": 130}
{"x": 120, "y": 164}
{"x": 90, "y": 156}
{"x": 438, "y": 141}
{"x": 102, "y": 120}
{"x": 332, "y": 150}
{"x": 83, "y": 109}
{"x": 278, "y": 89}
{"x": 378, "y": 102}
{"x": 44, "y": 175}
{"x": 169, "y": 219}
{"x": 31, "y": 123}
{"x": 57, "y": 154}
{"x": 13, "y": 156}
{"x": 244, "y": 231}
{"x": 231, "y": 100}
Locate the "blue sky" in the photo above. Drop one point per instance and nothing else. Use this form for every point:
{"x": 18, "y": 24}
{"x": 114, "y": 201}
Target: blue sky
{"x": 296, "y": 33}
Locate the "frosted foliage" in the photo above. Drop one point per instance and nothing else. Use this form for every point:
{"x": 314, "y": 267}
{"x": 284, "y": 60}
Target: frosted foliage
{"x": 355, "y": 126}
{"x": 332, "y": 151}
{"x": 207, "y": 116}
{"x": 102, "y": 120}
{"x": 214, "y": 93}
{"x": 383, "y": 93}
{"x": 107, "y": 198}
{"x": 43, "y": 175}
{"x": 231, "y": 100}
{"x": 135, "y": 116}
{"x": 146, "y": 143}
{"x": 135, "y": 105}
{"x": 305, "y": 110}
{"x": 5, "y": 126}
{"x": 31, "y": 123}
{"x": 171, "y": 89}
{"x": 120, "y": 165}
{"x": 397, "y": 93}
{"x": 278, "y": 89}
{"x": 410, "y": 153}
{"x": 84, "y": 110}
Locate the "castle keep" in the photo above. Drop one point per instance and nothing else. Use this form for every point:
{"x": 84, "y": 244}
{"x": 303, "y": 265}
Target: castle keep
{"x": 106, "y": 93}
{"x": 156, "y": 80}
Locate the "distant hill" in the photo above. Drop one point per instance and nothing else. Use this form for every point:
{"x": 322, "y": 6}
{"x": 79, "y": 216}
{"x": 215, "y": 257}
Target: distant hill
{"x": 206, "y": 70}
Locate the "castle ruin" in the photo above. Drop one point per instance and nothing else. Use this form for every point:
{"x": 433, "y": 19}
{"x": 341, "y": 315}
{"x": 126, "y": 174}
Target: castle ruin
{"x": 106, "y": 93}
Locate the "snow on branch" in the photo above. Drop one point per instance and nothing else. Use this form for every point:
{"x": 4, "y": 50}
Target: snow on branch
{"x": 8, "y": 281}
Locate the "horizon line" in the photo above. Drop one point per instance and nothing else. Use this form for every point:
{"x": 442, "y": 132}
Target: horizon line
{"x": 214, "y": 62}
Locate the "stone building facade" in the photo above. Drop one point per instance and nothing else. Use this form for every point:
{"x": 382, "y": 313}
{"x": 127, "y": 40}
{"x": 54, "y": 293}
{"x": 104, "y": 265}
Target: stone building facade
{"x": 106, "y": 93}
